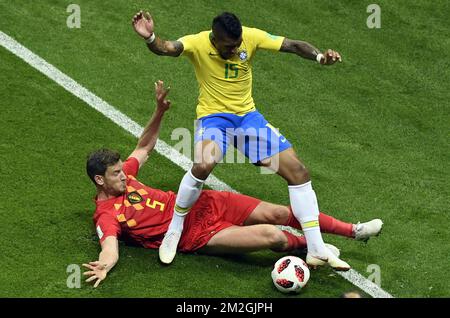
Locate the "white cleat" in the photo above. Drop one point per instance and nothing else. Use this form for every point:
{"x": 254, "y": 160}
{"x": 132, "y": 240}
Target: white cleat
{"x": 333, "y": 249}
{"x": 168, "y": 248}
{"x": 332, "y": 259}
{"x": 364, "y": 231}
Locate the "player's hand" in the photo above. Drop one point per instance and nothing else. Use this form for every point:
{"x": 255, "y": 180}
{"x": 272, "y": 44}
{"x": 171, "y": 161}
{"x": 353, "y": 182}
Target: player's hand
{"x": 97, "y": 272}
{"x": 330, "y": 57}
{"x": 143, "y": 24}
{"x": 160, "y": 93}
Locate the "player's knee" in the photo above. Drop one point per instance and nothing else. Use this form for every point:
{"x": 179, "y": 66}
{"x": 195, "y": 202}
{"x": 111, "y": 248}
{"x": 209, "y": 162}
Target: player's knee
{"x": 207, "y": 153}
{"x": 299, "y": 174}
{"x": 278, "y": 215}
{"x": 202, "y": 170}
{"x": 276, "y": 238}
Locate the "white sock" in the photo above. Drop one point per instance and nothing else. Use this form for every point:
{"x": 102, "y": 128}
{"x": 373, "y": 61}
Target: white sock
{"x": 177, "y": 222}
{"x": 306, "y": 211}
{"x": 188, "y": 193}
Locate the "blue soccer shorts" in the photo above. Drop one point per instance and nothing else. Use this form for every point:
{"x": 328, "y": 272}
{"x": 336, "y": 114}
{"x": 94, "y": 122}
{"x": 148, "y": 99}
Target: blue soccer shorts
{"x": 251, "y": 134}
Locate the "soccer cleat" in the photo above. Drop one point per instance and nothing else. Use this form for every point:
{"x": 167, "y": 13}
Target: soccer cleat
{"x": 364, "y": 231}
{"x": 333, "y": 249}
{"x": 313, "y": 261}
{"x": 168, "y": 248}
{"x": 335, "y": 262}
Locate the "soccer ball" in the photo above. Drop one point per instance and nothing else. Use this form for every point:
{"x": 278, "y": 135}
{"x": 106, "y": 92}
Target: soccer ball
{"x": 290, "y": 274}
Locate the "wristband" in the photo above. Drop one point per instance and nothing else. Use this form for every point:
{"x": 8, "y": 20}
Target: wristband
{"x": 319, "y": 58}
{"x": 151, "y": 38}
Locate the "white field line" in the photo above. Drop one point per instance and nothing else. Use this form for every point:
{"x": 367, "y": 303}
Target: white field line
{"x": 135, "y": 129}
{"x": 364, "y": 284}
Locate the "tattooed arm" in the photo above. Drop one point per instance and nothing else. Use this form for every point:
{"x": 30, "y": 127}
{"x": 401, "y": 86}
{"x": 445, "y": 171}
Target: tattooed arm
{"x": 308, "y": 51}
{"x": 167, "y": 48}
{"x": 143, "y": 25}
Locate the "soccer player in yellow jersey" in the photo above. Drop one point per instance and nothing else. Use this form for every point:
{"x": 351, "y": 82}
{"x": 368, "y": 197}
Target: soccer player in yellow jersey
{"x": 222, "y": 58}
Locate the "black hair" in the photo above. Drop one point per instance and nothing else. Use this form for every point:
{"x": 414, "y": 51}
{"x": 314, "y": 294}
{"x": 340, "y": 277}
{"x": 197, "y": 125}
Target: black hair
{"x": 229, "y": 24}
{"x": 99, "y": 160}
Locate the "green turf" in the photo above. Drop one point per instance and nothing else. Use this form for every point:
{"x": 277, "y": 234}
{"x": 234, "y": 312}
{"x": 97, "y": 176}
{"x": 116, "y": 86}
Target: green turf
{"x": 373, "y": 130}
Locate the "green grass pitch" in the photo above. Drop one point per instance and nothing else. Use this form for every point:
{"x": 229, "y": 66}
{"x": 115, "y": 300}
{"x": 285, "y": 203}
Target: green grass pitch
{"x": 373, "y": 130}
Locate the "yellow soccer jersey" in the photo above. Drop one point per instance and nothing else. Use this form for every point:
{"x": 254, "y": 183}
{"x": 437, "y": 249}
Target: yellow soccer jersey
{"x": 225, "y": 86}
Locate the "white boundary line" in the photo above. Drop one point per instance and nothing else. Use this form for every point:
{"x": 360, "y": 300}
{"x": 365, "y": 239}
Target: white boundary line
{"x": 135, "y": 129}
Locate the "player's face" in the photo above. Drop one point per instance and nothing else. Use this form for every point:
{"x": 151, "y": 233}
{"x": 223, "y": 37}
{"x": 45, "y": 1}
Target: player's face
{"x": 115, "y": 179}
{"x": 226, "y": 46}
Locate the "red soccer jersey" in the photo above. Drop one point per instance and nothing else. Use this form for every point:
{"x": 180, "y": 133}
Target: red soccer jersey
{"x": 141, "y": 215}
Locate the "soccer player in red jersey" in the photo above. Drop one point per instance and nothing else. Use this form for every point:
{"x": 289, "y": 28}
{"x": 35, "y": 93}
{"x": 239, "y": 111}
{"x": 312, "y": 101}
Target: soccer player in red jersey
{"x": 219, "y": 222}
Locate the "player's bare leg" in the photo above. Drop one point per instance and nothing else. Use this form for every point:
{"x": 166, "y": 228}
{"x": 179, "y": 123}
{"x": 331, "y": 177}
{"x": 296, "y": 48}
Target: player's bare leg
{"x": 245, "y": 239}
{"x": 305, "y": 207}
{"x": 269, "y": 213}
{"x": 207, "y": 154}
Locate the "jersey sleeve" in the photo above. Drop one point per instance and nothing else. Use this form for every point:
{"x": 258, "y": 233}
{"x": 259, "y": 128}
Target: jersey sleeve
{"x": 106, "y": 225}
{"x": 264, "y": 40}
{"x": 189, "y": 44}
{"x": 131, "y": 166}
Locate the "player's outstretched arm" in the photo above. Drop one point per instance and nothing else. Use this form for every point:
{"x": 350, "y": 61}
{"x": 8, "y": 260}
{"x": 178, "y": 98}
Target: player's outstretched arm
{"x": 149, "y": 136}
{"x": 107, "y": 259}
{"x": 308, "y": 51}
{"x": 144, "y": 26}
